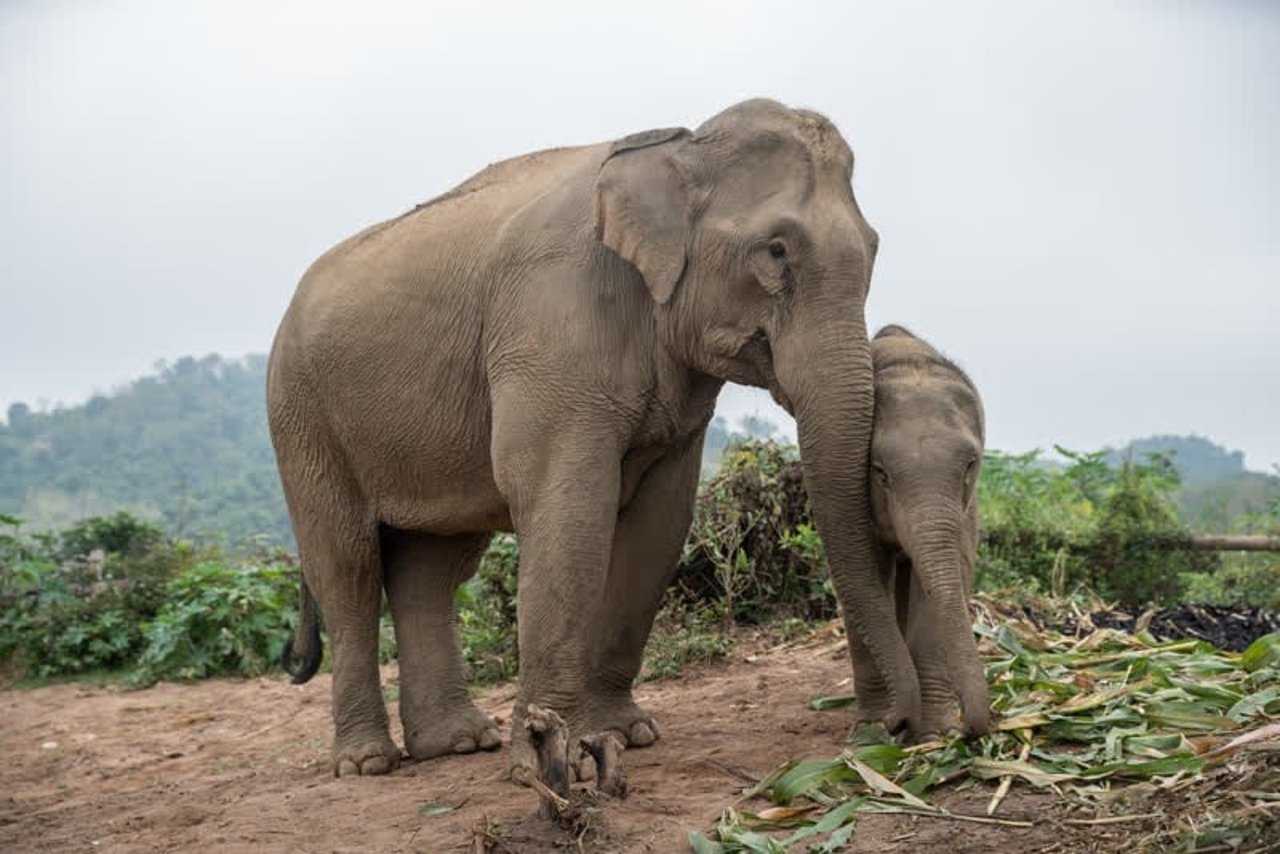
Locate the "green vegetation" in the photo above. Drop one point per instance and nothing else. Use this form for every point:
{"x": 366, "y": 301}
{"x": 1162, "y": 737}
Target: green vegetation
{"x": 218, "y": 619}
{"x": 78, "y": 601}
{"x": 119, "y": 592}
{"x": 1087, "y": 718}
{"x": 753, "y": 553}
{"x": 487, "y": 614}
{"x": 1086, "y": 524}
{"x": 1107, "y": 530}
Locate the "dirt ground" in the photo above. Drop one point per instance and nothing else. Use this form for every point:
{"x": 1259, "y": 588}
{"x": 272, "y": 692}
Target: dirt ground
{"x": 243, "y": 765}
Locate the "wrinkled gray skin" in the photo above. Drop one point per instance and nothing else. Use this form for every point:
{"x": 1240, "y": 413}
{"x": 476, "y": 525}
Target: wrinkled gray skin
{"x": 926, "y": 453}
{"x": 540, "y": 349}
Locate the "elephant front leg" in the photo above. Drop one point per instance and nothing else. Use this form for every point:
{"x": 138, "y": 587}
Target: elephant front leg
{"x": 565, "y": 526}
{"x": 650, "y": 532}
{"x": 926, "y": 640}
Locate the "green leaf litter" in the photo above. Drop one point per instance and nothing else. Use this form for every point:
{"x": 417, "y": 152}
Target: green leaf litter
{"x": 1081, "y": 717}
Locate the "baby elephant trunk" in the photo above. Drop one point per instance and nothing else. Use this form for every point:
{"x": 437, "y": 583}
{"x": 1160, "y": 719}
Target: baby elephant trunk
{"x": 942, "y": 571}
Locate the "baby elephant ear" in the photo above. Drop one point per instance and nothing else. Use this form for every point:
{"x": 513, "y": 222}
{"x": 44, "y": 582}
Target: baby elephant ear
{"x": 643, "y": 207}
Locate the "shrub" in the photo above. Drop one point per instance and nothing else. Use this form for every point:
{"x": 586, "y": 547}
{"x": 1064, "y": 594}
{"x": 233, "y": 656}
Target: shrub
{"x": 680, "y": 637}
{"x": 753, "y": 552}
{"x": 487, "y": 613}
{"x": 1242, "y": 580}
{"x": 1137, "y": 520}
{"x": 220, "y": 620}
{"x": 1108, "y": 528}
{"x": 122, "y": 535}
{"x": 67, "y": 607}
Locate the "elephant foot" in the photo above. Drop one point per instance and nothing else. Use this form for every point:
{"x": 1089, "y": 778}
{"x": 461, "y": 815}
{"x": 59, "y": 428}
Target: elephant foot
{"x": 878, "y": 709}
{"x": 872, "y": 707}
{"x": 365, "y": 758}
{"x": 463, "y": 730}
{"x": 621, "y": 717}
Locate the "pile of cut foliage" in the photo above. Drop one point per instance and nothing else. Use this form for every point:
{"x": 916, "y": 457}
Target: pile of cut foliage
{"x": 1187, "y": 733}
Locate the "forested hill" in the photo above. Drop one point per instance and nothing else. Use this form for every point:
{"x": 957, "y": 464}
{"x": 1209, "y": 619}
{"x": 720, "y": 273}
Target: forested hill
{"x": 1197, "y": 459}
{"x": 1216, "y": 487}
{"x": 187, "y": 446}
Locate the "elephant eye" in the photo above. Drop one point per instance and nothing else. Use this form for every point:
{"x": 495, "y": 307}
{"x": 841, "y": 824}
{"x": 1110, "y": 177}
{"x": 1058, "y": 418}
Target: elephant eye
{"x": 969, "y": 479}
{"x": 777, "y": 249}
{"x": 880, "y": 474}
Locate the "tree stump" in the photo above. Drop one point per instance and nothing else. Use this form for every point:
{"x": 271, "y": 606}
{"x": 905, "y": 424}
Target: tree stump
{"x": 550, "y": 739}
{"x": 606, "y": 750}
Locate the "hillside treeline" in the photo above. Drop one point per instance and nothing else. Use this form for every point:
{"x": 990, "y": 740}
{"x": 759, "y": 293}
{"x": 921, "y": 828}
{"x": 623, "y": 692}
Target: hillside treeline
{"x": 188, "y": 447}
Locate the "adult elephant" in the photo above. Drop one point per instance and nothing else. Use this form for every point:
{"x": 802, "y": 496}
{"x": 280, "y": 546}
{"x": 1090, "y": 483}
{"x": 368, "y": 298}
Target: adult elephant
{"x": 540, "y": 350}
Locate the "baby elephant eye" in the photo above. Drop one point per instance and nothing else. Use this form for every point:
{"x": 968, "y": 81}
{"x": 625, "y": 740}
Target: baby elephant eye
{"x": 777, "y": 249}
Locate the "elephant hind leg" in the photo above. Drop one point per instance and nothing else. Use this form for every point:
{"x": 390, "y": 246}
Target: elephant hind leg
{"x": 422, "y": 574}
{"x": 342, "y": 567}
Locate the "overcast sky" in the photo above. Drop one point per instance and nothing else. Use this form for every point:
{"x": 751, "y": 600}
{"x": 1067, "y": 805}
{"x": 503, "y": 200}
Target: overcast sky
{"x": 1079, "y": 201}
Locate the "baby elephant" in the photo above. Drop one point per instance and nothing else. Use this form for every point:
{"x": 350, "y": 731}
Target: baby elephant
{"x": 926, "y": 452}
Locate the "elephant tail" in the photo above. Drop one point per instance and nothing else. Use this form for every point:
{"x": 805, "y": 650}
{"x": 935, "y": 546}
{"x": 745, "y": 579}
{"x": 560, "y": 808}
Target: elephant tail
{"x": 300, "y": 657}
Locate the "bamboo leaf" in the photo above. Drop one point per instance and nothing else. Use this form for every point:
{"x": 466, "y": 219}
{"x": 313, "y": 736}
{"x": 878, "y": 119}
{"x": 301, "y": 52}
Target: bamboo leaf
{"x": 987, "y": 769}
{"x": 809, "y": 776}
{"x": 1188, "y": 762}
{"x": 1186, "y": 716}
{"x": 778, "y": 816}
{"x": 885, "y": 758}
{"x": 1264, "y": 652}
{"x": 1084, "y": 703}
{"x": 882, "y": 784}
{"x": 702, "y": 845}
{"x": 1025, "y": 721}
{"x": 1266, "y": 701}
{"x": 835, "y": 818}
{"x": 1219, "y": 695}
{"x": 838, "y": 701}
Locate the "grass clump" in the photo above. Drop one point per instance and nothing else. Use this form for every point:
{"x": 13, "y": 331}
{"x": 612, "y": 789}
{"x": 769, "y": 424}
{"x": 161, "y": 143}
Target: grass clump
{"x": 681, "y": 637}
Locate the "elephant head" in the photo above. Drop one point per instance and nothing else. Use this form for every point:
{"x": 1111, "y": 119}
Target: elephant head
{"x": 749, "y": 239}
{"x": 925, "y": 459}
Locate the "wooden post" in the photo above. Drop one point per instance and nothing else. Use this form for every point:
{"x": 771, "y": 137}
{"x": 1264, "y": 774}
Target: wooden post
{"x": 1240, "y": 543}
{"x": 550, "y": 739}
{"x": 606, "y": 750}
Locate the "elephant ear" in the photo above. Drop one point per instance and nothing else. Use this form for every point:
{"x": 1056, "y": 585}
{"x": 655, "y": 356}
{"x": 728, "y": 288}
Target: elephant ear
{"x": 643, "y": 207}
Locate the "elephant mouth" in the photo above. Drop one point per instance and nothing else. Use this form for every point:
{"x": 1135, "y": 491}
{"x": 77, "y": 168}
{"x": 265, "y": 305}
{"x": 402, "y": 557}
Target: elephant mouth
{"x": 758, "y": 354}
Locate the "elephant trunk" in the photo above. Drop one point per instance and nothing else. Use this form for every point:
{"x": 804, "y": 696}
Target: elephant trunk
{"x": 942, "y": 568}
{"x": 828, "y": 381}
